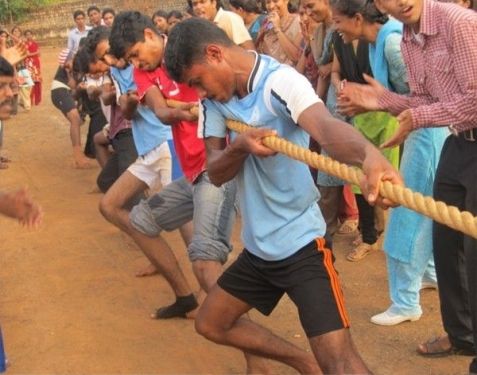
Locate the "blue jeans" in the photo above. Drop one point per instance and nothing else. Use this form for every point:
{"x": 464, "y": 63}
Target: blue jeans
{"x": 405, "y": 281}
{"x": 211, "y": 208}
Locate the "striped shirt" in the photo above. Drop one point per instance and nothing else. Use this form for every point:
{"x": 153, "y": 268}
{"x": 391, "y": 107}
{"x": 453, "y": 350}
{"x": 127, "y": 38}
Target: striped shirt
{"x": 442, "y": 69}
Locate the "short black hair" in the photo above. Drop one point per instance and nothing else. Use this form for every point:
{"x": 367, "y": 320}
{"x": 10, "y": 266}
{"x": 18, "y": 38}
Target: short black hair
{"x": 6, "y": 69}
{"x": 176, "y": 14}
{"x": 95, "y": 36}
{"x": 366, "y": 8}
{"x": 91, "y": 8}
{"x": 159, "y": 13}
{"x": 77, "y": 13}
{"x": 108, "y": 10}
{"x": 251, "y": 6}
{"x": 81, "y": 63}
{"x": 128, "y": 29}
{"x": 218, "y": 4}
{"x": 187, "y": 42}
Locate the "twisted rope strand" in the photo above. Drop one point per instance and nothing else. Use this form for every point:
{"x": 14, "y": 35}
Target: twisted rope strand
{"x": 438, "y": 211}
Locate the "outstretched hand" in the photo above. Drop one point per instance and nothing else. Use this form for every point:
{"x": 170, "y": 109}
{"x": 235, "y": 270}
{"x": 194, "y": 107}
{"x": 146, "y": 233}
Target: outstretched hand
{"x": 14, "y": 54}
{"x": 405, "y": 127}
{"x": 19, "y": 205}
{"x": 355, "y": 98}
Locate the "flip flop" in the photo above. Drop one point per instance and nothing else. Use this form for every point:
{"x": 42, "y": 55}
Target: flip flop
{"x": 357, "y": 241}
{"x": 359, "y": 252}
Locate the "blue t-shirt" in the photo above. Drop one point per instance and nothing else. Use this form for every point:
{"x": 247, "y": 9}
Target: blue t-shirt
{"x": 277, "y": 196}
{"x": 148, "y": 131}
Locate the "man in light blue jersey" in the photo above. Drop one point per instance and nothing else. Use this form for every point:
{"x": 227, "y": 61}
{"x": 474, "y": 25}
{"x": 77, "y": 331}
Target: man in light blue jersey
{"x": 153, "y": 163}
{"x": 282, "y": 226}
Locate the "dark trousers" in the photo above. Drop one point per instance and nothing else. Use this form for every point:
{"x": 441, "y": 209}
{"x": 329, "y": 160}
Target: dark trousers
{"x": 124, "y": 155}
{"x": 96, "y": 123}
{"x": 366, "y": 220}
{"x": 455, "y": 254}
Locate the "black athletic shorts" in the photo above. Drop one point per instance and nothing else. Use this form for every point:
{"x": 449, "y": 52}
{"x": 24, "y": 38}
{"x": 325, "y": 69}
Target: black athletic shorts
{"x": 63, "y": 100}
{"x": 308, "y": 277}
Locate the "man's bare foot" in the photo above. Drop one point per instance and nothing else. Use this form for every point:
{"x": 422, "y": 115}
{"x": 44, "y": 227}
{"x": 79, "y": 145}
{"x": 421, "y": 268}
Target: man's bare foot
{"x": 80, "y": 159}
{"x": 94, "y": 190}
{"x": 84, "y": 163}
{"x": 150, "y": 270}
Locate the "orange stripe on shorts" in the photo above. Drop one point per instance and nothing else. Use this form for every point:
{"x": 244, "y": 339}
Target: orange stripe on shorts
{"x": 335, "y": 282}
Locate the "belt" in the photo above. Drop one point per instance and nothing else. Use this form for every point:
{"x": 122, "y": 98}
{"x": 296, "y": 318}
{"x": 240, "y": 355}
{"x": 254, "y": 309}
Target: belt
{"x": 469, "y": 135}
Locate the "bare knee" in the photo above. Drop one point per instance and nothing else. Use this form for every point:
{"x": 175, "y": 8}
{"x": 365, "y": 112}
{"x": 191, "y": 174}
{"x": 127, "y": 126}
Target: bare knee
{"x": 206, "y": 327}
{"x": 336, "y": 353}
{"x": 207, "y": 272}
{"x": 107, "y": 208}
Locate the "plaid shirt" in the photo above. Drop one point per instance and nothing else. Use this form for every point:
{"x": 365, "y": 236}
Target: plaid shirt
{"x": 442, "y": 69}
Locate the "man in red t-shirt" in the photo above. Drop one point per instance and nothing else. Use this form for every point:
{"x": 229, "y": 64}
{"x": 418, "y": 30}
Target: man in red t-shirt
{"x": 192, "y": 197}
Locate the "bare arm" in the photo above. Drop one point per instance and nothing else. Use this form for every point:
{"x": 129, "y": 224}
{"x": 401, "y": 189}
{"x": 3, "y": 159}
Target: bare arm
{"x": 336, "y": 74}
{"x": 128, "y": 103}
{"x": 290, "y": 47}
{"x": 108, "y": 94}
{"x": 300, "y": 65}
{"x": 343, "y": 143}
{"x": 225, "y": 161}
{"x": 157, "y": 103}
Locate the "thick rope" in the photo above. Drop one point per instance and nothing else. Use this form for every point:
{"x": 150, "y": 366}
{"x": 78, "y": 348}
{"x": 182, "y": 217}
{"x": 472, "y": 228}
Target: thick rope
{"x": 438, "y": 211}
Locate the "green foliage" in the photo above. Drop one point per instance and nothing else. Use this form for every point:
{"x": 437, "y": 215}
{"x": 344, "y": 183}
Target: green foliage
{"x": 14, "y": 10}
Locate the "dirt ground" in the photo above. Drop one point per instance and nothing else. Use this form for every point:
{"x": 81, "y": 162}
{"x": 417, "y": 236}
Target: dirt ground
{"x": 70, "y": 304}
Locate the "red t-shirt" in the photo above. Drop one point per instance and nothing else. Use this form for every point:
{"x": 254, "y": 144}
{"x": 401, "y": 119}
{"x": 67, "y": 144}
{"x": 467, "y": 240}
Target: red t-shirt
{"x": 189, "y": 148}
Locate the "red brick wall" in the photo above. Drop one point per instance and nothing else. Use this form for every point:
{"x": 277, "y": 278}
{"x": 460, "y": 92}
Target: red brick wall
{"x": 51, "y": 24}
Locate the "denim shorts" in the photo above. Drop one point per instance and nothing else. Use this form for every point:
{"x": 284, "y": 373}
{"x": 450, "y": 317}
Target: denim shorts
{"x": 211, "y": 208}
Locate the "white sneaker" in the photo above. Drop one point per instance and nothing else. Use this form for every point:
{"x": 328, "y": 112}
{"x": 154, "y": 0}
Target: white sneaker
{"x": 388, "y": 318}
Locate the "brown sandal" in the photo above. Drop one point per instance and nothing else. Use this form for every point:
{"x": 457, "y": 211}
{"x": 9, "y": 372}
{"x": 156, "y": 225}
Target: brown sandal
{"x": 440, "y": 346}
{"x": 348, "y": 227}
{"x": 359, "y": 252}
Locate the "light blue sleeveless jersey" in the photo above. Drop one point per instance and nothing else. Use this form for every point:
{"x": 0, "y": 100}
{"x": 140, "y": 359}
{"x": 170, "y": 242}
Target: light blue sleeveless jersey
{"x": 277, "y": 196}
